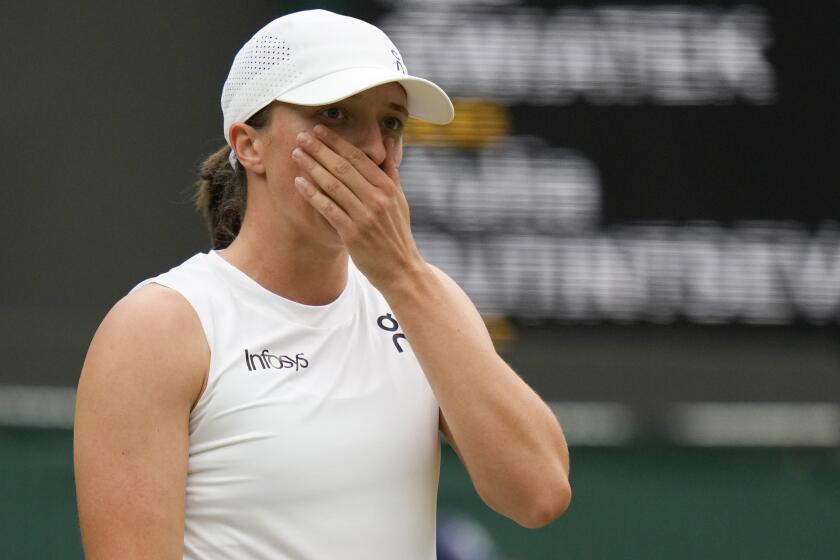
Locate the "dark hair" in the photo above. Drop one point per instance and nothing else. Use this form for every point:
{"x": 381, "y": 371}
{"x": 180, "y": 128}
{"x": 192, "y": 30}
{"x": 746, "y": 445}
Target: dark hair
{"x": 221, "y": 192}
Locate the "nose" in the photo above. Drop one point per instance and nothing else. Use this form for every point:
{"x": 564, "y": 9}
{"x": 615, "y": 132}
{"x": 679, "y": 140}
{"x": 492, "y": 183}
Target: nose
{"x": 369, "y": 139}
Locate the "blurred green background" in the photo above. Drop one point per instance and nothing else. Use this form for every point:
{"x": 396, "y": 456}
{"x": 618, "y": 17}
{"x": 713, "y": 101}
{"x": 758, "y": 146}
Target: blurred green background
{"x": 642, "y": 501}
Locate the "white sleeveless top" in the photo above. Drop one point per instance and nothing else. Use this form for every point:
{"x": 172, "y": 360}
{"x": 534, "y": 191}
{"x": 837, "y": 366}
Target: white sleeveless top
{"x": 316, "y": 437}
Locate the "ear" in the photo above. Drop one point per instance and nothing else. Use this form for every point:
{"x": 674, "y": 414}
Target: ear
{"x": 245, "y": 142}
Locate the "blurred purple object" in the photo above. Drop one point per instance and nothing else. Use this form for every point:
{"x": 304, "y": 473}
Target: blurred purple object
{"x": 460, "y": 537}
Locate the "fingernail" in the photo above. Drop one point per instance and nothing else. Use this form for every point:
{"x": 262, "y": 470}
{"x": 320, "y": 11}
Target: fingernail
{"x": 302, "y": 185}
{"x": 320, "y": 130}
{"x": 297, "y": 153}
{"x": 303, "y": 138}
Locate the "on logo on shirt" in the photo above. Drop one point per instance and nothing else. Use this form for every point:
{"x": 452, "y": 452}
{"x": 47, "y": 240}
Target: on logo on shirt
{"x": 388, "y": 323}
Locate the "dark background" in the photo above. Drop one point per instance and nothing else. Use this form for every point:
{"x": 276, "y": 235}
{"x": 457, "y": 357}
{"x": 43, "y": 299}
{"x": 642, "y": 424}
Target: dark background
{"x": 109, "y": 108}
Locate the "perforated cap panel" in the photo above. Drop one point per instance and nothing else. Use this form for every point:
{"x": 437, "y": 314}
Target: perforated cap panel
{"x": 262, "y": 69}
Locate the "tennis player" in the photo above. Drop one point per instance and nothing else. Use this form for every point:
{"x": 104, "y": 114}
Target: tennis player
{"x": 281, "y": 396}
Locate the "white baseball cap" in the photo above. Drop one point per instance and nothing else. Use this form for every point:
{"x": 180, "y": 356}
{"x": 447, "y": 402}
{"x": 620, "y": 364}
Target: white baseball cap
{"x": 317, "y": 57}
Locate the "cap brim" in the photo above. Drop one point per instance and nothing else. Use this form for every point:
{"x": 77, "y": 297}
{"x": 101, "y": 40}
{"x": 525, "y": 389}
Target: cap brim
{"x": 426, "y": 100}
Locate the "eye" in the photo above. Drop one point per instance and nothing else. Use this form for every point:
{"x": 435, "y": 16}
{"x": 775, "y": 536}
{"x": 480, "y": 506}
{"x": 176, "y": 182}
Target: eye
{"x": 392, "y": 123}
{"x": 335, "y": 113}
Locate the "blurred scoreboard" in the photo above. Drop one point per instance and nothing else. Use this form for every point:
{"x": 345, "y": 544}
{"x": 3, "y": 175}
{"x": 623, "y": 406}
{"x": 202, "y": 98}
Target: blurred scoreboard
{"x": 615, "y": 169}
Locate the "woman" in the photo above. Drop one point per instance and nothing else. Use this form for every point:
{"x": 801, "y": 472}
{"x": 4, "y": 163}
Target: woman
{"x": 281, "y": 396}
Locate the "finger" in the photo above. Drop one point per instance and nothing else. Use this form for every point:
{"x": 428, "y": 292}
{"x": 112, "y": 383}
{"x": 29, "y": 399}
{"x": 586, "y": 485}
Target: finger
{"x": 397, "y": 145}
{"x": 328, "y": 184}
{"x": 339, "y": 166}
{"x": 325, "y": 206}
{"x": 392, "y": 160}
{"x": 359, "y": 160}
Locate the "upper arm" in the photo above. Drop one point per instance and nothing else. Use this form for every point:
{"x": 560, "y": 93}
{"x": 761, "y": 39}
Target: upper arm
{"x": 144, "y": 370}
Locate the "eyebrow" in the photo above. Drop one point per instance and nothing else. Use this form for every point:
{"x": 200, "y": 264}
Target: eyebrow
{"x": 399, "y": 108}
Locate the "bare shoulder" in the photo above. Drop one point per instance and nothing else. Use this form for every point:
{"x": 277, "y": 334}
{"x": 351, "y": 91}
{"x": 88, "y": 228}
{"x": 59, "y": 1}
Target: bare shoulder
{"x": 144, "y": 371}
{"x": 153, "y": 332}
{"x": 155, "y": 307}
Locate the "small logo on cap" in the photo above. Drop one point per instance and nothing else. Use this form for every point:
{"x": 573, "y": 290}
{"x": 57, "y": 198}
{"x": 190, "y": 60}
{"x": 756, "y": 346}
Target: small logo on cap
{"x": 398, "y": 60}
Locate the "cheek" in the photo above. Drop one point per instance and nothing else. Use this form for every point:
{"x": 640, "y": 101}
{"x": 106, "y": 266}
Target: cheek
{"x": 279, "y": 152}
{"x": 282, "y": 166}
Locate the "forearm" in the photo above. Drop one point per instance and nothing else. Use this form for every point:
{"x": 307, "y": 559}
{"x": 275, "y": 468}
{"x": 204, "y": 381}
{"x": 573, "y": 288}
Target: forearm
{"x": 508, "y": 439}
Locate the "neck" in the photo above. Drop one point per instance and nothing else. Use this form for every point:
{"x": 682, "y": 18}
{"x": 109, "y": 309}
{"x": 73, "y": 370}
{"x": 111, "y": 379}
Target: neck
{"x": 296, "y": 269}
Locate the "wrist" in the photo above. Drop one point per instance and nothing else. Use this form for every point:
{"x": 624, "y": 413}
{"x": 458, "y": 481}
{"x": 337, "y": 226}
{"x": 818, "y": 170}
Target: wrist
{"x": 414, "y": 281}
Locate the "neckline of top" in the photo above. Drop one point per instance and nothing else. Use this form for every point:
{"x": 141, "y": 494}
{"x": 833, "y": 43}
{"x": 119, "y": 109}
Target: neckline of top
{"x": 318, "y": 316}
